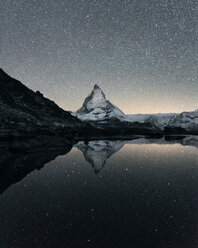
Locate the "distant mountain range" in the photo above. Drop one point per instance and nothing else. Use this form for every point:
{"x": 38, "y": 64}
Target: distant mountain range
{"x": 25, "y": 112}
{"x": 97, "y": 110}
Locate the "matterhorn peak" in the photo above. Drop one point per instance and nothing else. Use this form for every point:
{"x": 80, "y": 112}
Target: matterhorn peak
{"x": 97, "y": 96}
{"x": 97, "y": 91}
{"x": 96, "y": 87}
{"x": 97, "y": 108}
{"x": 96, "y": 99}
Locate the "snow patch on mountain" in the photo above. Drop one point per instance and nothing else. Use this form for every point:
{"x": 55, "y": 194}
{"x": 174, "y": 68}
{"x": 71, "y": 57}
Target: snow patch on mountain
{"x": 161, "y": 120}
{"x": 186, "y": 120}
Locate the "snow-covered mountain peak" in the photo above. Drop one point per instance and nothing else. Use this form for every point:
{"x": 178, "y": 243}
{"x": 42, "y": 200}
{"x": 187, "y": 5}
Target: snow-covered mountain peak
{"x": 96, "y": 87}
{"x": 97, "y": 108}
{"x": 96, "y": 99}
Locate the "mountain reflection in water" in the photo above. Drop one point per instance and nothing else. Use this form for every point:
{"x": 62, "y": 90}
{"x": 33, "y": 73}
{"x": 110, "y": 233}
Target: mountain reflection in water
{"x": 98, "y": 151}
{"x": 144, "y": 195}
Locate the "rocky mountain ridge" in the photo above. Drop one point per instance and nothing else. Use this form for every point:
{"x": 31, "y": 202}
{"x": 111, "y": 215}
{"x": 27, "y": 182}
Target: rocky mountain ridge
{"x": 27, "y": 111}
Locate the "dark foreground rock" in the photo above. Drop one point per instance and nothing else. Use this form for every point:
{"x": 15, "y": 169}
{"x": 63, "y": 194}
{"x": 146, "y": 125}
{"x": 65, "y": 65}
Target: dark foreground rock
{"x": 22, "y": 108}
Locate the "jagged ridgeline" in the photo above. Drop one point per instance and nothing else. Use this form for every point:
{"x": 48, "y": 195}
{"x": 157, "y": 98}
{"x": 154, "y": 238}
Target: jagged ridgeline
{"x": 22, "y": 108}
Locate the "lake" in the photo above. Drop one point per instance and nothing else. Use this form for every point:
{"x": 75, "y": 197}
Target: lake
{"x": 134, "y": 193}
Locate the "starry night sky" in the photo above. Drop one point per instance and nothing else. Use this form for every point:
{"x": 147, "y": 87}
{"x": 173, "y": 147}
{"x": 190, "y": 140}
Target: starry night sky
{"x": 142, "y": 53}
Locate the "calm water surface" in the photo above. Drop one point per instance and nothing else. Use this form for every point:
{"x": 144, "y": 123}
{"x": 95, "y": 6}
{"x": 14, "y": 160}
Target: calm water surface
{"x": 106, "y": 194}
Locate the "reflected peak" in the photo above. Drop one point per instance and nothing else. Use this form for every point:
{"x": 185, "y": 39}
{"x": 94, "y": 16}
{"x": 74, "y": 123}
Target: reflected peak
{"x": 97, "y": 152}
